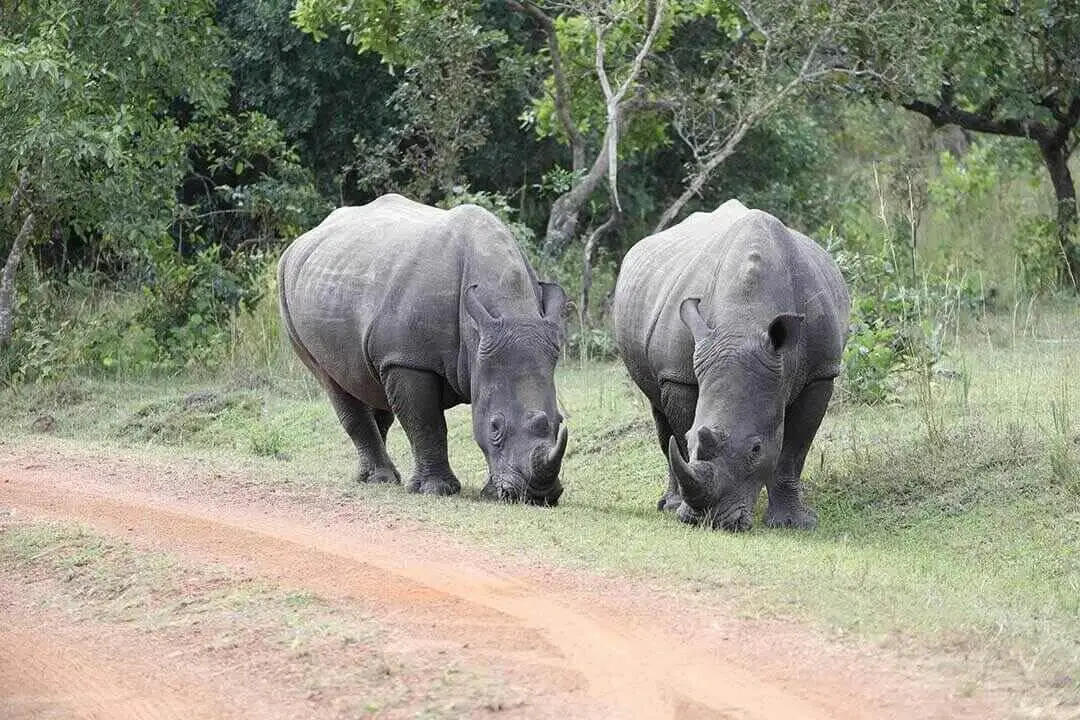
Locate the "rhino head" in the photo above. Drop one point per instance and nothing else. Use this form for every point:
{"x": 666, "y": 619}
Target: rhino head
{"x": 743, "y": 370}
{"x": 516, "y": 421}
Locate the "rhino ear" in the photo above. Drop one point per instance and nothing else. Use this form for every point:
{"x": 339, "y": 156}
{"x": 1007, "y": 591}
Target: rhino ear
{"x": 785, "y": 331}
{"x": 475, "y": 307}
{"x": 690, "y": 312}
{"x": 552, "y": 302}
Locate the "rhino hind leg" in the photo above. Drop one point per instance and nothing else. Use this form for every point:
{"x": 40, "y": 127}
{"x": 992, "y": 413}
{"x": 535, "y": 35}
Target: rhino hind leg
{"x": 416, "y": 399}
{"x": 674, "y": 417}
{"x": 801, "y": 422}
{"x": 367, "y": 428}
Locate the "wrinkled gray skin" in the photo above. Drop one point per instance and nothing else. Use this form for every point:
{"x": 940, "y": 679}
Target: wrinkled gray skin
{"x": 733, "y": 326}
{"x": 404, "y": 310}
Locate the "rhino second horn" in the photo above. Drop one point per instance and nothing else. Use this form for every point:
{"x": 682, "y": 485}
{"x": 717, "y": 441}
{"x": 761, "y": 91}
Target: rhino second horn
{"x": 695, "y": 481}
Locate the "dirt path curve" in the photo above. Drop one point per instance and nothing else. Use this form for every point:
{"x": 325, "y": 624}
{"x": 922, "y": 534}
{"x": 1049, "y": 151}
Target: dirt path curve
{"x": 602, "y": 651}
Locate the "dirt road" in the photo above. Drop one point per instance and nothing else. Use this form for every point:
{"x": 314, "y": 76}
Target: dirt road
{"x": 571, "y": 645}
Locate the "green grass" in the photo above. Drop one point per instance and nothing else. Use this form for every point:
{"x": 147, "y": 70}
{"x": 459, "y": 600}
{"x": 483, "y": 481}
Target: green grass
{"x": 950, "y": 517}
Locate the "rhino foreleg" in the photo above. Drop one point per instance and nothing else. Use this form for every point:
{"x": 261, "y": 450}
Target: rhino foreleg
{"x": 367, "y": 428}
{"x": 674, "y": 417}
{"x": 416, "y": 399}
{"x": 801, "y": 423}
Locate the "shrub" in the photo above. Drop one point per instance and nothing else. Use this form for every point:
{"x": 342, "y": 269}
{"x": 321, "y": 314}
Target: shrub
{"x": 1039, "y": 256}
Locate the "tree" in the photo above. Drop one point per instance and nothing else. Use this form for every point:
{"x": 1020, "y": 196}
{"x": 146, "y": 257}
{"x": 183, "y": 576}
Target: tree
{"x": 770, "y": 53}
{"x": 323, "y": 95}
{"x": 447, "y": 67}
{"x": 704, "y": 72}
{"x": 611, "y": 84}
{"x": 634, "y": 31}
{"x": 1005, "y": 68}
{"x": 87, "y": 88}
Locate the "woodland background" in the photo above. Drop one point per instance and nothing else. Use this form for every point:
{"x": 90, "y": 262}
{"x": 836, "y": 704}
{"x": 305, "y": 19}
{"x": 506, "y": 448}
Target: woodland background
{"x": 157, "y": 155}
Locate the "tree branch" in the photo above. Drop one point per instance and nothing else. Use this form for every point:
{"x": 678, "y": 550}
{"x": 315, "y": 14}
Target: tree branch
{"x": 727, "y": 148}
{"x": 1067, "y": 123}
{"x": 940, "y": 114}
{"x": 586, "y": 268}
{"x": 7, "y": 278}
{"x": 562, "y": 89}
{"x": 614, "y": 99}
{"x": 19, "y": 194}
{"x": 748, "y": 12}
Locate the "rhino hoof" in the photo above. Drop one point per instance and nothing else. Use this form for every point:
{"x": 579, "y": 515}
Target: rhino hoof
{"x": 377, "y": 476}
{"x": 429, "y": 484}
{"x": 800, "y": 518}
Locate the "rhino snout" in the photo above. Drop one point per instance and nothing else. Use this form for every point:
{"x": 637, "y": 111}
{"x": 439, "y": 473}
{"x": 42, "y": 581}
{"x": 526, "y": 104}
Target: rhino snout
{"x": 512, "y": 487}
{"x": 734, "y": 518}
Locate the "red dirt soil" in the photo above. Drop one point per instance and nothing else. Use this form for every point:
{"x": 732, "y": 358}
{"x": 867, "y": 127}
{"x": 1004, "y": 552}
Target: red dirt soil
{"x": 576, "y": 644}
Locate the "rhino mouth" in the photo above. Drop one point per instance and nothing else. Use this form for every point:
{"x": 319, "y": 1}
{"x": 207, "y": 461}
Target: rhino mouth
{"x": 734, "y": 518}
{"x": 537, "y": 483}
{"x": 514, "y": 489}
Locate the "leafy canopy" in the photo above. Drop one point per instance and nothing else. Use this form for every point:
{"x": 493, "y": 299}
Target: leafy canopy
{"x": 88, "y": 88}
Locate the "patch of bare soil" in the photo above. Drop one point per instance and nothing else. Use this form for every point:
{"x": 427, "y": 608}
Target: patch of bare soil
{"x": 572, "y": 644}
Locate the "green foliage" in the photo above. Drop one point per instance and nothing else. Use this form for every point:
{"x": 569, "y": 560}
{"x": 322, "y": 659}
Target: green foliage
{"x": 998, "y": 68}
{"x": 119, "y": 137}
{"x": 86, "y": 90}
{"x": 187, "y": 305}
{"x": 267, "y": 440}
{"x": 591, "y": 343}
{"x": 180, "y": 321}
{"x": 898, "y": 323}
{"x": 445, "y": 89}
{"x": 870, "y": 356}
{"x": 625, "y": 31}
{"x": 322, "y": 95}
{"x": 964, "y": 181}
{"x": 1040, "y": 255}
{"x": 1020, "y": 57}
{"x": 379, "y": 26}
{"x": 245, "y": 188}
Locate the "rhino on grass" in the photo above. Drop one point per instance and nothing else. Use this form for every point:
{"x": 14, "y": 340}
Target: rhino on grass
{"x": 733, "y": 326}
{"x": 404, "y": 310}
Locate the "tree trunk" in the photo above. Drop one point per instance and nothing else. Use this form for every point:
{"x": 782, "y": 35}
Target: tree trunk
{"x": 586, "y": 275}
{"x": 566, "y": 210}
{"x": 7, "y": 279}
{"x": 1057, "y": 164}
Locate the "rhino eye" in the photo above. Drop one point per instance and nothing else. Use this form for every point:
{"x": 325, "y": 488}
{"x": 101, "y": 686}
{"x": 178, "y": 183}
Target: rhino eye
{"x": 496, "y": 430}
{"x": 755, "y": 450}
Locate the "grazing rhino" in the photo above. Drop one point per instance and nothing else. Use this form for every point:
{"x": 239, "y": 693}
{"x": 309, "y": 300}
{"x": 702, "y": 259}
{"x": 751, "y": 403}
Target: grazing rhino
{"x": 404, "y": 310}
{"x": 733, "y": 326}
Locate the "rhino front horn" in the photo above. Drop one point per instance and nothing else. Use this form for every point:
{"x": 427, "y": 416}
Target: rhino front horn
{"x": 695, "y": 481}
{"x": 553, "y": 460}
